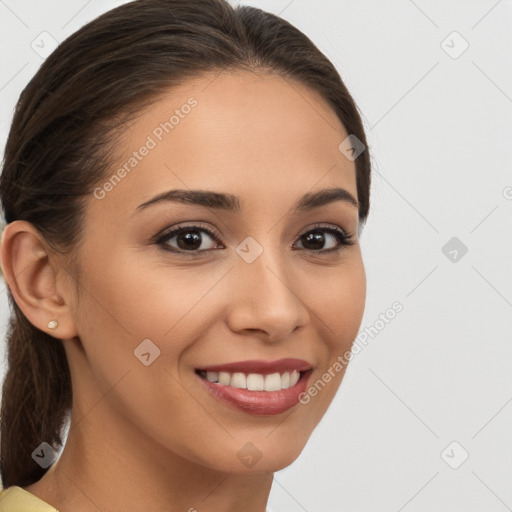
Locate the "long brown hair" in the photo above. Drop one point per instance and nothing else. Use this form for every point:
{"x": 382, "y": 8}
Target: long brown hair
{"x": 62, "y": 133}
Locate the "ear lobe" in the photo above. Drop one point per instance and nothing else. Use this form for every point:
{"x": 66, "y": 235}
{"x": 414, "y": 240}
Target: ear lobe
{"x": 31, "y": 275}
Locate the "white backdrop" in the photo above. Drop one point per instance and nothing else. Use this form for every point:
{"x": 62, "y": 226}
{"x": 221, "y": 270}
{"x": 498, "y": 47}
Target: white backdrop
{"x": 423, "y": 418}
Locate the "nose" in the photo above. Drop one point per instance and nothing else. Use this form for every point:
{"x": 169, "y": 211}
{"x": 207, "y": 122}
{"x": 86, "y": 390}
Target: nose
{"x": 267, "y": 297}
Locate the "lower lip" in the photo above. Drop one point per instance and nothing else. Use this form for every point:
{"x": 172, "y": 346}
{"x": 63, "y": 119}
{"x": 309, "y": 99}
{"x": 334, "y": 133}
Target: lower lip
{"x": 261, "y": 403}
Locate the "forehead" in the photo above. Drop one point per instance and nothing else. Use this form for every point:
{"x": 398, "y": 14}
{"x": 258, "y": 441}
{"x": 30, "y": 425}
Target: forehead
{"x": 259, "y": 135}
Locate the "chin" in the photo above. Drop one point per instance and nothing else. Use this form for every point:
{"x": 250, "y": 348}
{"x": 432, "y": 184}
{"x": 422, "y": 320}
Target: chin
{"x": 256, "y": 457}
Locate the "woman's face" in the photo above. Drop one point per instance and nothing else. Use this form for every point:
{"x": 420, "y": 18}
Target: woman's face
{"x": 258, "y": 288}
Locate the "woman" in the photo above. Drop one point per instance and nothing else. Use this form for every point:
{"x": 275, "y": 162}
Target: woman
{"x": 184, "y": 188}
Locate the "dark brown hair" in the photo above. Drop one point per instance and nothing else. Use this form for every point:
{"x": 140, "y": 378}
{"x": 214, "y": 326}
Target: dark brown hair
{"x": 59, "y": 144}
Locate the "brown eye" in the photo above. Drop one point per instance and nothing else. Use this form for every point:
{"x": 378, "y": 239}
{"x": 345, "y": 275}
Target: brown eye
{"x": 315, "y": 239}
{"x": 191, "y": 239}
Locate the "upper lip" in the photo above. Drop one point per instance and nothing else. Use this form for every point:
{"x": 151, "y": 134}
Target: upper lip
{"x": 260, "y": 366}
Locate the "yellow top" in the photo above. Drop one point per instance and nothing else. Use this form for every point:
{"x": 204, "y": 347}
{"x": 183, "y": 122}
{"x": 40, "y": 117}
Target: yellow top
{"x": 17, "y": 499}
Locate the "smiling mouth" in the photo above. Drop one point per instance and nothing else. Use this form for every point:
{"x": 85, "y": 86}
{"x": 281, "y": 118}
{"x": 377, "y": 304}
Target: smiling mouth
{"x": 257, "y": 386}
{"x": 276, "y": 381}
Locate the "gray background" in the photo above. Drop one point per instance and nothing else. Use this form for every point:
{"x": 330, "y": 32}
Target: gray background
{"x": 439, "y": 123}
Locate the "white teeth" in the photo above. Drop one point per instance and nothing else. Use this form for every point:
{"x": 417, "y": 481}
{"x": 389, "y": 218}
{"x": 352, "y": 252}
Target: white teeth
{"x": 212, "y": 376}
{"x": 255, "y": 381}
{"x": 238, "y": 380}
{"x": 224, "y": 378}
{"x": 273, "y": 382}
{"x": 285, "y": 380}
{"x": 294, "y": 377}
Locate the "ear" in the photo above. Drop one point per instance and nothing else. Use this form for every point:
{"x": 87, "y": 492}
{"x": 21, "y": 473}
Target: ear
{"x": 36, "y": 279}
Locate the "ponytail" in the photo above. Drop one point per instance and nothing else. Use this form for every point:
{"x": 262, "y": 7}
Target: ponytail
{"x": 36, "y": 397}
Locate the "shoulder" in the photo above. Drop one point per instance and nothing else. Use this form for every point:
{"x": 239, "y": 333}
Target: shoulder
{"x": 17, "y": 499}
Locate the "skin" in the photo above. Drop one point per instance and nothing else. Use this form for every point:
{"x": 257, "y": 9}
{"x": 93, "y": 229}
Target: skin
{"x": 150, "y": 437}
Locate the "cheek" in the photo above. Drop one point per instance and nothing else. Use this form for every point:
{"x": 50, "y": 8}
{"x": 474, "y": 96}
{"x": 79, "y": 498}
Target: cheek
{"x": 120, "y": 310}
{"x": 140, "y": 298}
{"x": 132, "y": 301}
{"x": 340, "y": 311}
{"x": 339, "y": 303}
{"x": 352, "y": 299}
{"x": 123, "y": 304}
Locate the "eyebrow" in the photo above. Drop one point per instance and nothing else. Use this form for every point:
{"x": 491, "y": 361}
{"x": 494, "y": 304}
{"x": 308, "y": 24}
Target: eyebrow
{"x": 231, "y": 203}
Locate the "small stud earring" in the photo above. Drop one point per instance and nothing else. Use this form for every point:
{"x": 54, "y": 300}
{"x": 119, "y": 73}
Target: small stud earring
{"x": 52, "y": 324}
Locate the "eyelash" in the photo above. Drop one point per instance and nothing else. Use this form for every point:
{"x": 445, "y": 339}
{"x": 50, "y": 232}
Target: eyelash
{"x": 344, "y": 239}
